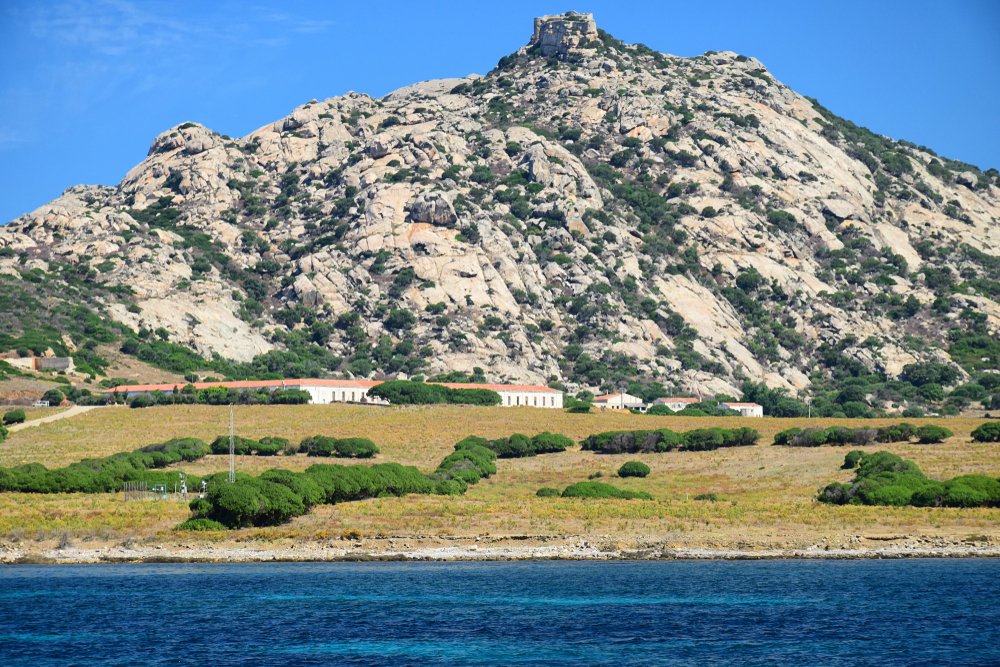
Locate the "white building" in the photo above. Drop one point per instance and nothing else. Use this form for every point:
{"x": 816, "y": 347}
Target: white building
{"x": 745, "y": 409}
{"x": 514, "y": 395}
{"x": 676, "y": 403}
{"x": 619, "y": 401}
{"x": 324, "y": 392}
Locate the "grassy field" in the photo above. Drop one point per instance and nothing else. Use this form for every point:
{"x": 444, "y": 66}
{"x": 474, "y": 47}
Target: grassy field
{"x": 31, "y": 412}
{"x": 766, "y": 493}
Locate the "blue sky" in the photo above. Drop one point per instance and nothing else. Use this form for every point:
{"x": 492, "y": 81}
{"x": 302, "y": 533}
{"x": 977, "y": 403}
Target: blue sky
{"x": 86, "y": 85}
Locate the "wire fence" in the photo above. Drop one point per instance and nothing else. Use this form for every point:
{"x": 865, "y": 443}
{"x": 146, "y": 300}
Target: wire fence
{"x": 133, "y": 491}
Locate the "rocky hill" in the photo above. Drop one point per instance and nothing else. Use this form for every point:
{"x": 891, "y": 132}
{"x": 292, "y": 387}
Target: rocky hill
{"x": 589, "y": 212}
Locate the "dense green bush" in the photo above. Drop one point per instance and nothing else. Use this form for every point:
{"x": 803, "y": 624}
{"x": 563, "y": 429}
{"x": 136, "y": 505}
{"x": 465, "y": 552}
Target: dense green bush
{"x": 54, "y": 397}
{"x": 988, "y": 432}
{"x": 245, "y": 446}
{"x": 964, "y": 491}
{"x": 15, "y": 416}
{"x": 302, "y": 485}
{"x": 842, "y": 435}
{"x": 633, "y": 469}
{"x": 3, "y": 433}
{"x": 107, "y": 474}
{"x": 249, "y": 501}
{"x": 347, "y": 483}
{"x": 271, "y": 446}
{"x": 903, "y": 432}
{"x": 785, "y": 437}
{"x": 519, "y": 445}
{"x": 408, "y": 392}
{"x": 886, "y": 479}
{"x": 547, "y": 492}
{"x": 665, "y": 440}
{"x": 188, "y": 395}
{"x": 602, "y": 490}
{"x": 932, "y": 434}
{"x": 343, "y": 448}
{"x": 201, "y": 524}
{"x": 852, "y": 459}
{"x": 241, "y": 446}
{"x": 470, "y": 462}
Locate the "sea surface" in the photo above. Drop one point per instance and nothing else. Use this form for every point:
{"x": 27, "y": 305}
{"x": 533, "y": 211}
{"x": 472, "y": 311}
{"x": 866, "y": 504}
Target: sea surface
{"x": 898, "y": 612}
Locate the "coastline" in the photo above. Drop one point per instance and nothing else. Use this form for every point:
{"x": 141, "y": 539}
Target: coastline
{"x": 580, "y": 550}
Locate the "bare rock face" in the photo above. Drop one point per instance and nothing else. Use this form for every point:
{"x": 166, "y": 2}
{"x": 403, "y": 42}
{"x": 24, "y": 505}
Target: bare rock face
{"x": 562, "y": 33}
{"x": 433, "y": 209}
{"x": 587, "y": 211}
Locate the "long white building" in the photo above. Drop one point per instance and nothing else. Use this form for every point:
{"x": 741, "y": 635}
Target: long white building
{"x": 324, "y": 392}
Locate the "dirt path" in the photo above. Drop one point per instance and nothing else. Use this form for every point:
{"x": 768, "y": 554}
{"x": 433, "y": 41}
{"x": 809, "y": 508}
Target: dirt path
{"x": 72, "y": 412}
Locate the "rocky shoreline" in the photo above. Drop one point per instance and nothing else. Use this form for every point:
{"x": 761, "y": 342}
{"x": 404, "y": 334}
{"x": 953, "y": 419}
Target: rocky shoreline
{"x": 241, "y": 553}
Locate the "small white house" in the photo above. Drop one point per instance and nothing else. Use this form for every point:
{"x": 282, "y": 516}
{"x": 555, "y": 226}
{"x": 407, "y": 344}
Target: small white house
{"x": 676, "y": 403}
{"x": 745, "y": 409}
{"x": 619, "y": 401}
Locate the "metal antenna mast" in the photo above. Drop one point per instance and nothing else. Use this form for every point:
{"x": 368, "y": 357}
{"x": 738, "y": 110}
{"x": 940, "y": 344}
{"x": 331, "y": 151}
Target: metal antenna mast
{"x": 232, "y": 448}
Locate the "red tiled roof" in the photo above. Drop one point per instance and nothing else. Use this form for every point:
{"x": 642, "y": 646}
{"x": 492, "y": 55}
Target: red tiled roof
{"x": 498, "y": 387}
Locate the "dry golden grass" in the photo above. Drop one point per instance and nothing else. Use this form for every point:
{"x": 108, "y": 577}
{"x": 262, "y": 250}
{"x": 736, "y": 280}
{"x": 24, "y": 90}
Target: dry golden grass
{"x": 767, "y": 492}
{"x": 32, "y": 412}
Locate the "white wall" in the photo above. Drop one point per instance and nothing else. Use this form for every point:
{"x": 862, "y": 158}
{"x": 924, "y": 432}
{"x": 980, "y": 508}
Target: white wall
{"x": 531, "y": 399}
{"x": 619, "y": 402}
{"x": 326, "y": 395}
{"x": 747, "y": 410}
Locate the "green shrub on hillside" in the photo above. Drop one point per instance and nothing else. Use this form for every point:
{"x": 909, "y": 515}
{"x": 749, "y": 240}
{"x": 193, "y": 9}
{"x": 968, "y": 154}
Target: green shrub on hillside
{"x": 903, "y": 432}
{"x": 852, "y": 459}
{"x": 249, "y": 501}
{"x": 107, "y": 474}
{"x": 785, "y": 437}
{"x": 347, "y": 483}
{"x": 988, "y": 432}
{"x": 932, "y": 434}
{"x": 304, "y": 486}
{"x": 201, "y": 524}
{"x": 886, "y": 479}
{"x": 241, "y": 446}
{"x": 633, "y": 469}
{"x": 344, "y": 448}
{"x": 842, "y": 435}
{"x": 665, "y": 440}
{"x": 3, "y": 433}
{"x": 271, "y": 446}
{"x": 519, "y": 445}
{"x": 602, "y": 490}
{"x": 547, "y": 492}
{"x": 408, "y": 392}
{"x": 15, "y": 416}
{"x": 470, "y": 462}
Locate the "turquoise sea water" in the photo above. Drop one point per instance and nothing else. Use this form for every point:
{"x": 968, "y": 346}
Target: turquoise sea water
{"x": 901, "y": 612}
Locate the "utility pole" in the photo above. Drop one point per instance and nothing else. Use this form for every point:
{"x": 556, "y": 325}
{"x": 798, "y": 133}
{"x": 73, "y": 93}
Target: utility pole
{"x": 232, "y": 447}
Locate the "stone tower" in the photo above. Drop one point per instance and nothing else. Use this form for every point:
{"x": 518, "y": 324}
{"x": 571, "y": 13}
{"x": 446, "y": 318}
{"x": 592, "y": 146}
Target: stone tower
{"x": 559, "y": 34}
